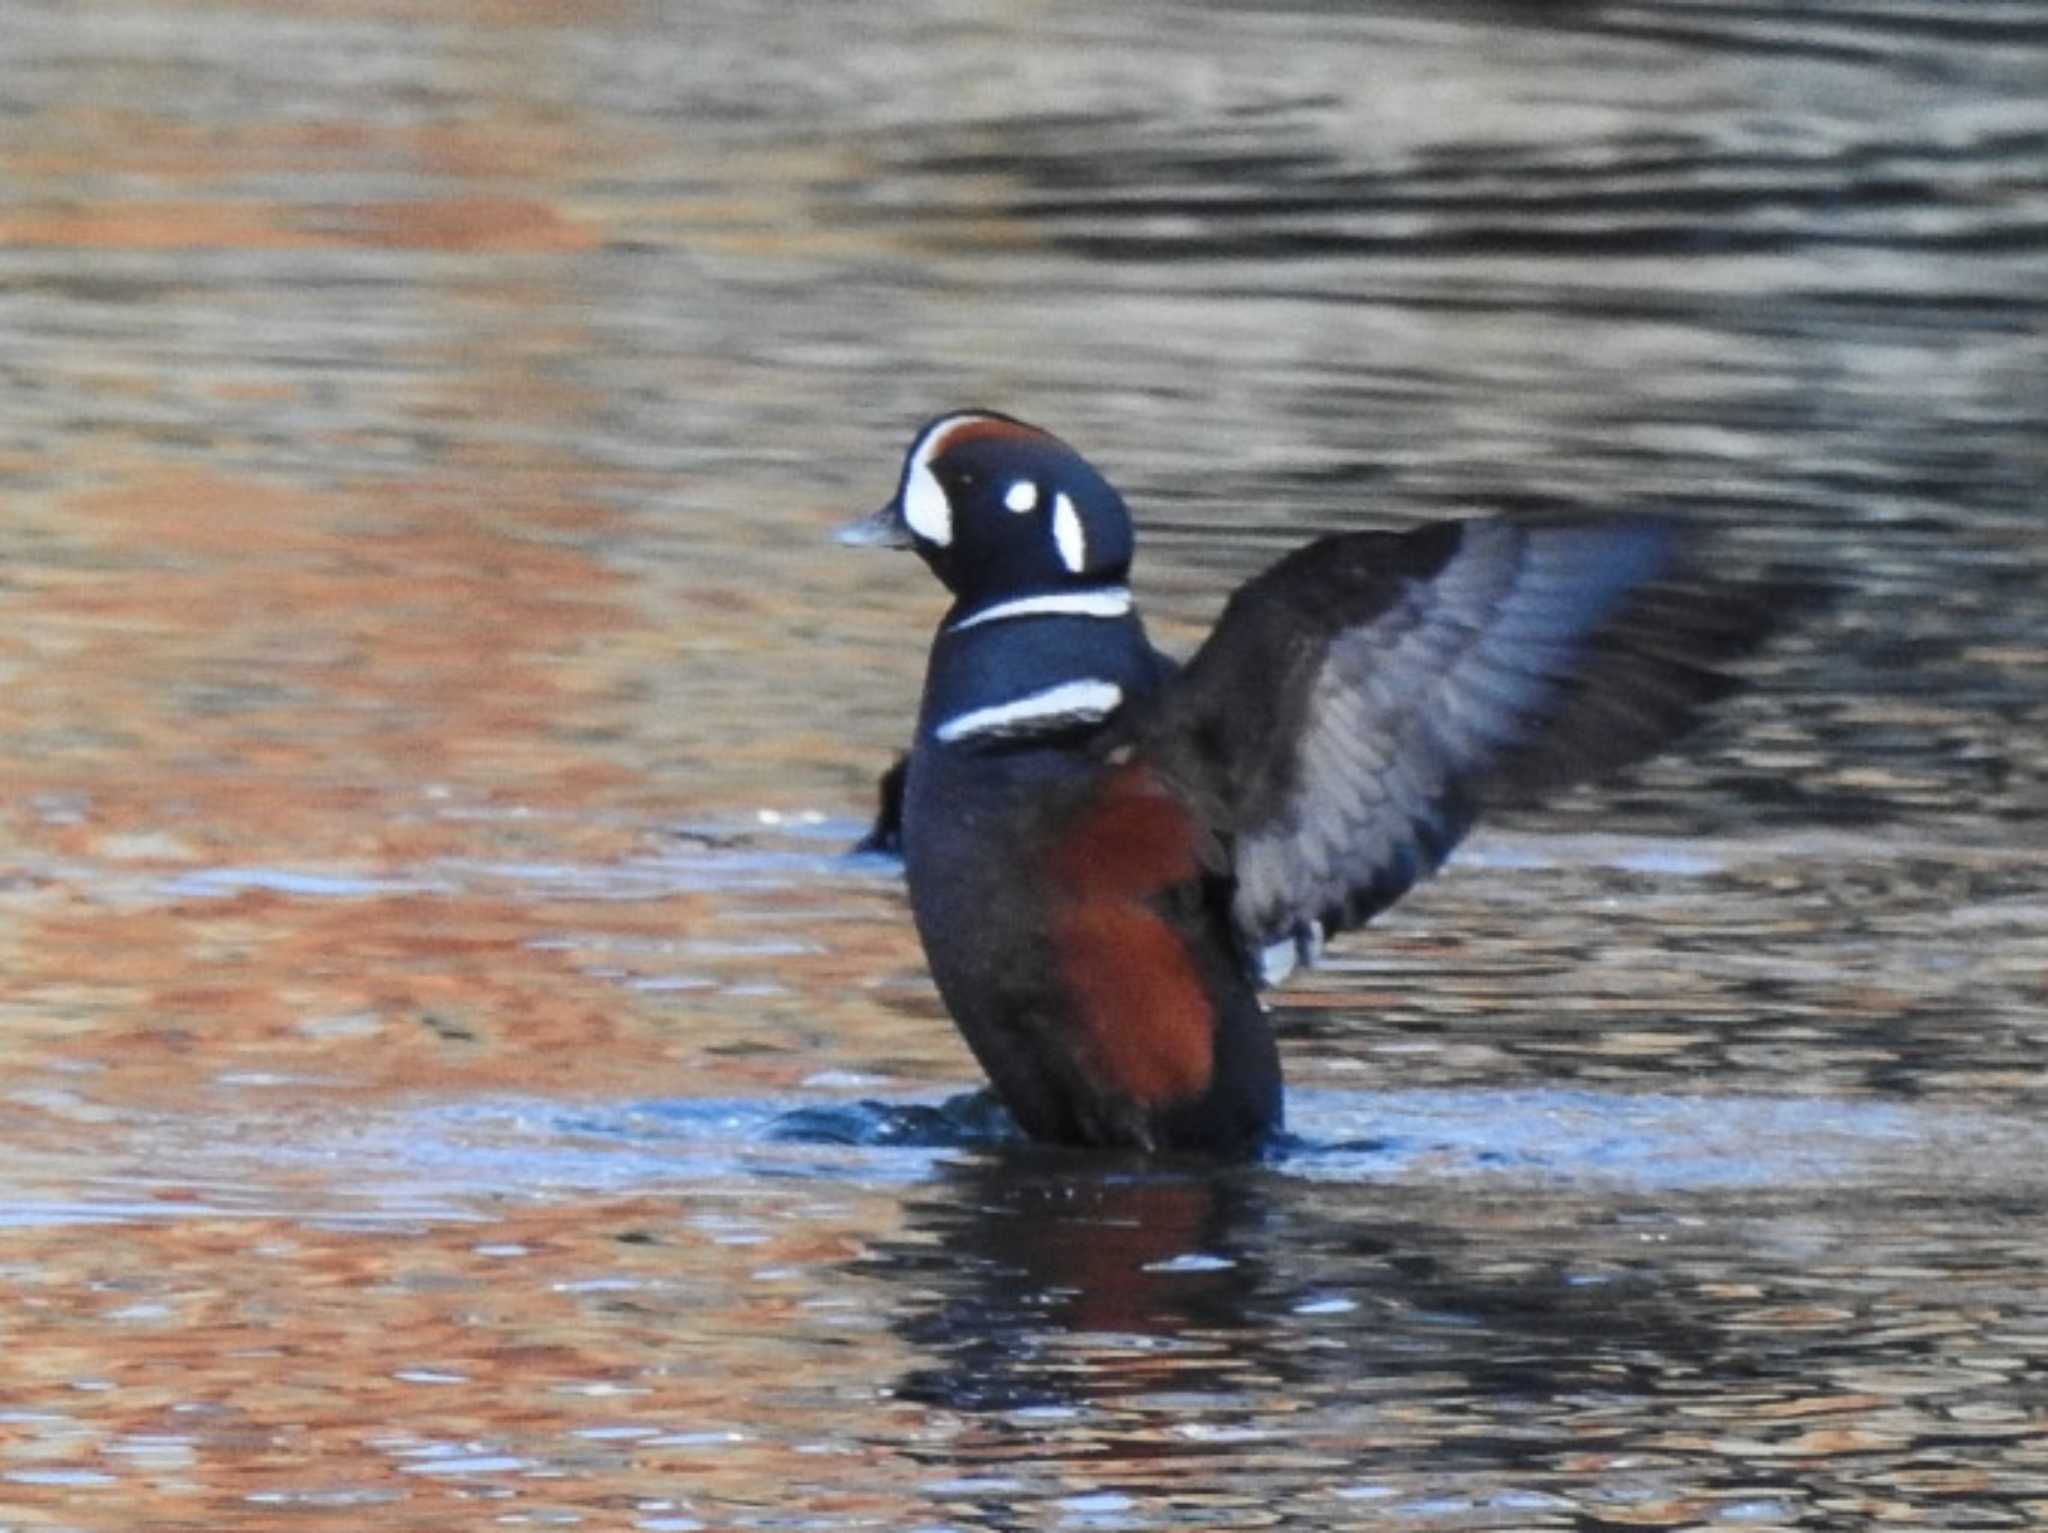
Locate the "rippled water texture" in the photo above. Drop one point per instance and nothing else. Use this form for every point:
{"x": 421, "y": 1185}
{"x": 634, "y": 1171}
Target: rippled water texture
{"x": 449, "y": 1073}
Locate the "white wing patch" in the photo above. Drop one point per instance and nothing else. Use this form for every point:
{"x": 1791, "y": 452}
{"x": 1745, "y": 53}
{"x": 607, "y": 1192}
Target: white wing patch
{"x": 1279, "y": 958}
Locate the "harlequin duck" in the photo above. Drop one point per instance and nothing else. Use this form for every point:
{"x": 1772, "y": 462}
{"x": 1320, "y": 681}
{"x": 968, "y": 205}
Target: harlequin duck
{"x": 1108, "y": 854}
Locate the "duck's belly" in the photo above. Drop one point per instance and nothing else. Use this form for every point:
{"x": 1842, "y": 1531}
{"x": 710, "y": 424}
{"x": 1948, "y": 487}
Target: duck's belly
{"x": 1073, "y": 941}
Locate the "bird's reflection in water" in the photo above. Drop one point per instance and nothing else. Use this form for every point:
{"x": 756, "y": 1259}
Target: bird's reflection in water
{"x": 1044, "y": 1280}
{"x": 1060, "y": 1277}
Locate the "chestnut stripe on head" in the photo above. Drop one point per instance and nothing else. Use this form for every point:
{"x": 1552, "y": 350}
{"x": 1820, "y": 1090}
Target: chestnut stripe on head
{"x": 926, "y": 510}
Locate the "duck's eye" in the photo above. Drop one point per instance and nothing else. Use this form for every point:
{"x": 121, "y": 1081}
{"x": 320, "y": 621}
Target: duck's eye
{"x": 1021, "y": 496}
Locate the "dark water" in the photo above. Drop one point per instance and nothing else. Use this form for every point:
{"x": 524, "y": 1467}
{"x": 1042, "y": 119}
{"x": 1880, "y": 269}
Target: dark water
{"x": 450, "y": 1076}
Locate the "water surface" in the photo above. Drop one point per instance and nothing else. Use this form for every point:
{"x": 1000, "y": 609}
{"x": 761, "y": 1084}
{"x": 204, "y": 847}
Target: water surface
{"x": 449, "y": 1071}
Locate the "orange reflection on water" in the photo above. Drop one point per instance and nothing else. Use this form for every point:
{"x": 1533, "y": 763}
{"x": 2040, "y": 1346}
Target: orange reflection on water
{"x": 376, "y": 1373}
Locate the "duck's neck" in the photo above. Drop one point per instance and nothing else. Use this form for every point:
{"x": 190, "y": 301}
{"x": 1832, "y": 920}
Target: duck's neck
{"x": 1024, "y": 668}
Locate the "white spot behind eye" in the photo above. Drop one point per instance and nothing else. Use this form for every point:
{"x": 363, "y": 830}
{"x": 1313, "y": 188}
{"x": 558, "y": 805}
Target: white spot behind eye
{"x": 1021, "y": 496}
{"x": 1068, "y": 536}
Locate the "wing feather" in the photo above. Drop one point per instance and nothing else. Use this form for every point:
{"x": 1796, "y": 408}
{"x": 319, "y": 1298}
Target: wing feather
{"x": 1365, "y": 698}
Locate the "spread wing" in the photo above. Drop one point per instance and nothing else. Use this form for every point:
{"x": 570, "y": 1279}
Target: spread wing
{"x": 1365, "y": 698}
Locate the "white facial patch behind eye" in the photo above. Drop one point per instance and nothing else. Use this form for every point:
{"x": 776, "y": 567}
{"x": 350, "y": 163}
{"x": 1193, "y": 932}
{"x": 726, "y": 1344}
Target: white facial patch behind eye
{"x": 1022, "y": 496}
{"x": 1067, "y": 535}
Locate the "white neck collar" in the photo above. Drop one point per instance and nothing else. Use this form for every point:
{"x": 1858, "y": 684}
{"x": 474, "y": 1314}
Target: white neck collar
{"x": 1098, "y": 601}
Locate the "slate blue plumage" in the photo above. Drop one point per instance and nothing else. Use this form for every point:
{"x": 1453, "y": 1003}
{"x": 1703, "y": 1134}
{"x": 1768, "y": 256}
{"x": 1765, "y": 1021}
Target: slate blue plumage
{"x": 1108, "y": 855}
